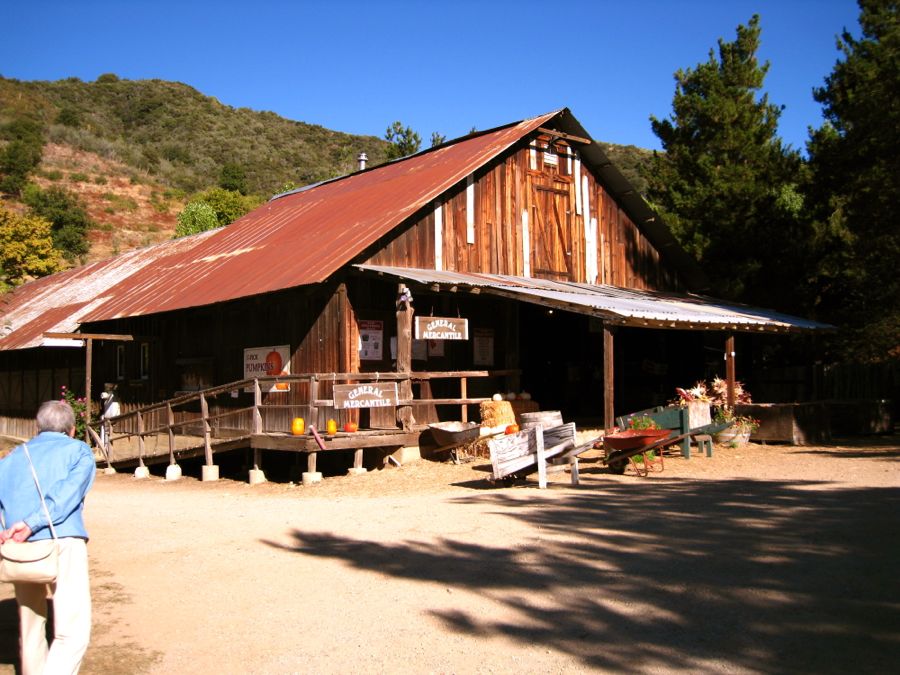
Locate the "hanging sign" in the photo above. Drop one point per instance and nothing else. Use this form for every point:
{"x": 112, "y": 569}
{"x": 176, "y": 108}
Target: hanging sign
{"x": 441, "y": 328}
{"x": 268, "y": 362}
{"x": 365, "y": 395}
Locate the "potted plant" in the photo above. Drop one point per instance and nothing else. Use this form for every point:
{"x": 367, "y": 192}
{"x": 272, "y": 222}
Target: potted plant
{"x": 739, "y": 429}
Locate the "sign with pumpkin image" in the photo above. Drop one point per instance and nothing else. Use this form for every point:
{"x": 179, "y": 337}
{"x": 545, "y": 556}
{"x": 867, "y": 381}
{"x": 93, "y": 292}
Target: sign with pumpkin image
{"x": 268, "y": 362}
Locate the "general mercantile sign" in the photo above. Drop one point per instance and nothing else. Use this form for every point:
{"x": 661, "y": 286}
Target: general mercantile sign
{"x": 441, "y": 328}
{"x": 365, "y": 395}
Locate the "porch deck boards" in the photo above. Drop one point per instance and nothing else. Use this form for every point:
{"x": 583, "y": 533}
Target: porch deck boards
{"x": 156, "y": 446}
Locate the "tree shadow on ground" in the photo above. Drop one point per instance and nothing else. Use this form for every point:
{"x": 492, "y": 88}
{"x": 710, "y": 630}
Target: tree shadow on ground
{"x": 778, "y": 577}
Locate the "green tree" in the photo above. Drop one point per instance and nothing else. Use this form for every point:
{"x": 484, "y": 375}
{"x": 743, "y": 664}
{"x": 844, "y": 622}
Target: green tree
{"x": 855, "y": 164}
{"x": 404, "y": 141}
{"x": 437, "y": 139}
{"x": 196, "y": 217}
{"x": 69, "y": 220}
{"x": 234, "y": 178}
{"x": 26, "y": 248}
{"x": 725, "y": 183}
{"x": 21, "y": 155}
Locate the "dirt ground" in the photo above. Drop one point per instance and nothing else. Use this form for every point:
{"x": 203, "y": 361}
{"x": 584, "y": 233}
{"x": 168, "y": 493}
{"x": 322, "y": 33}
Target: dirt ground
{"x": 761, "y": 559}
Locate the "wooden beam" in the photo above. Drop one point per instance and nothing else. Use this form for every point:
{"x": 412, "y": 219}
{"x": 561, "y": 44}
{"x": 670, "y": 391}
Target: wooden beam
{"x": 609, "y": 417}
{"x": 404, "y": 354}
{"x": 566, "y": 137}
{"x": 89, "y": 336}
{"x": 729, "y": 370}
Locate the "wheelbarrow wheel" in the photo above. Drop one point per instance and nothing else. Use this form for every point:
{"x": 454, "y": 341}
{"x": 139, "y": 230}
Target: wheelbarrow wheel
{"x": 618, "y": 466}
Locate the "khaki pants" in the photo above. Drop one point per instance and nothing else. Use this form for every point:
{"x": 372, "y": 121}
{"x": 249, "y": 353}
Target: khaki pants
{"x": 71, "y": 615}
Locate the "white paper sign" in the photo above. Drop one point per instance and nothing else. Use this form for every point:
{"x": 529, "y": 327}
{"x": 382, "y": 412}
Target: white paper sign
{"x": 371, "y": 340}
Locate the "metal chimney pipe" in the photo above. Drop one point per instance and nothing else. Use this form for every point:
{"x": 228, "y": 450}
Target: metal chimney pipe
{"x": 362, "y": 159}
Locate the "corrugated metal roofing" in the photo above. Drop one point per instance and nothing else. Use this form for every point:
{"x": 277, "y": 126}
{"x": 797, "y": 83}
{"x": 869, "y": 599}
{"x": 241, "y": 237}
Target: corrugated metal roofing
{"x": 304, "y": 237}
{"x": 617, "y": 306}
{"x": 56, "y": 303}
{"x": 297, "y": 239}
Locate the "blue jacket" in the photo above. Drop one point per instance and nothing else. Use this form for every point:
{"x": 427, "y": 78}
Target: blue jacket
{"x": 65, "y": 468}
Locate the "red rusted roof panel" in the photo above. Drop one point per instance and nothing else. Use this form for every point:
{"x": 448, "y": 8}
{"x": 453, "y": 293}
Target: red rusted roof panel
{"x": 303, "y": 238}
{"x": 57, "y": 303}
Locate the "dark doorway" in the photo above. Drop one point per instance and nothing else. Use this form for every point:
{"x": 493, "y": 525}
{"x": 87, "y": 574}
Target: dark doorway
{"x": 562, "y": 361}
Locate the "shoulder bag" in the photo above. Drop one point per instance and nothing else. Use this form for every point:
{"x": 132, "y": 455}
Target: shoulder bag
{"x": 33, "y": 562}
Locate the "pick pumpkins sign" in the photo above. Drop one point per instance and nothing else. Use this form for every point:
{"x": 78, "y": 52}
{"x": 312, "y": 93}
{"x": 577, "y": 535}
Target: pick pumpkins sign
{"x": 268, "y": 362}
{"x": 441, "y": 328}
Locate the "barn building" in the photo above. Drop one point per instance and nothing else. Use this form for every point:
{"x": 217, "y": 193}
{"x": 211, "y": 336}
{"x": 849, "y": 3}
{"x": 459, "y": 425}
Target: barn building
{"x": 571, "y": 289}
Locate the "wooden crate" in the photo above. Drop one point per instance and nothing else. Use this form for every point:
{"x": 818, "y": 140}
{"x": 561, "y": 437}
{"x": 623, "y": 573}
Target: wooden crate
{"x": 794, "y": 423}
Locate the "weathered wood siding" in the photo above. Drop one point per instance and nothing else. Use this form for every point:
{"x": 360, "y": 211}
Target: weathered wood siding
{"x": 535, "y": 213}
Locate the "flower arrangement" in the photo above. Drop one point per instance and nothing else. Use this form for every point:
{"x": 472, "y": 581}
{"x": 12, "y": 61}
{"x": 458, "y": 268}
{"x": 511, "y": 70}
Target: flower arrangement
{"x": 741, "y": 424}
{"x": 716, "y": 393}
{"x": 642, "y": 422}
{"x": 79, "y": 406}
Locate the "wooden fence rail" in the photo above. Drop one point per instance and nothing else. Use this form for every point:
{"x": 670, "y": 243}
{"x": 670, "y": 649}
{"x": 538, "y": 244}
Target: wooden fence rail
{"x": 171, "y": 418}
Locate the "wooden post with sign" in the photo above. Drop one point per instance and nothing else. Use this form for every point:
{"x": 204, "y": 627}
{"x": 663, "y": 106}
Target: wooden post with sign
{"x": 729, "y": 371}
{"x": 404, "y": 355}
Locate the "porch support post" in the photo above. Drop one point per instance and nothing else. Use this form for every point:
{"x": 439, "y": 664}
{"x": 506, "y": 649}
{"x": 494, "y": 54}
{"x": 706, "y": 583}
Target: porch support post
{"x": 89, "y": 349}
{"x": 404, "y": 354}
{"x": 729, "y": 370}
{"x": 609, "y": 415}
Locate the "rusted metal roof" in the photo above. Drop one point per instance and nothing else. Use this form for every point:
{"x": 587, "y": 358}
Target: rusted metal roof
{"x": 296, "y": 239}
{"x": 303, "y": 238}
{"x": 614, "y": 305}
{"x": 56, "y": 303}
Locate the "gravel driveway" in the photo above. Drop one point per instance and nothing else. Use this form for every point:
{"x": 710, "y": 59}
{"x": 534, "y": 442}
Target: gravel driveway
{"x": 763, "y": 559}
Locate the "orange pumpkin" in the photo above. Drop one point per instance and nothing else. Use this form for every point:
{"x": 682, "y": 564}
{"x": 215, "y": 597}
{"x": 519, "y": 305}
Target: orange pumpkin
{"x": 512, "y": 429}
{"x": 350, "y": 427}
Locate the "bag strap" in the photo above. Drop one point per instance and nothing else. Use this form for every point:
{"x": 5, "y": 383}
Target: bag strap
{"x": 40, "y": 492}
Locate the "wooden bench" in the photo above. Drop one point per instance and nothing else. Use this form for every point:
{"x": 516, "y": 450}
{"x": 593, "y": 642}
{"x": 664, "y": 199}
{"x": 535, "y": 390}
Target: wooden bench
{"x": 536, "y": 449}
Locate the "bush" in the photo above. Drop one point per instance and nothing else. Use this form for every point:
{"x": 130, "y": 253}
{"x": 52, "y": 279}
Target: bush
{"x": 68, "y": 217}
{"x": 196, "y": 217}
{"x": 79, "y": 406}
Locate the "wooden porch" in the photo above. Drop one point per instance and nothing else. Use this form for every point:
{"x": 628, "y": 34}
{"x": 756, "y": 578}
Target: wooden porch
{"x": 213, "y": 421}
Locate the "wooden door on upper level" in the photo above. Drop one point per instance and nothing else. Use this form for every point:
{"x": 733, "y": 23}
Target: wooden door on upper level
{"x": 551, "y": 232}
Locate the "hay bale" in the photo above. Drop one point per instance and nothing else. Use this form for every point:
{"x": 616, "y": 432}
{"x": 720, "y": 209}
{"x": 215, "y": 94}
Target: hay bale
{"x": 496, "y": 413}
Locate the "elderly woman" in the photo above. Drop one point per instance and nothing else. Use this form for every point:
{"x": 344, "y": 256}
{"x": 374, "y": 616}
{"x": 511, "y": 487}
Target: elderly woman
{"x": 65, "y": 468}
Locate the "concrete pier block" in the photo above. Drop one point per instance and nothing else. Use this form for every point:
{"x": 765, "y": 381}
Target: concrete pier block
{"x": 209, "y": 473}
{"x": 173, "y": 472}
{"x": 142, "y": 472}
{"x": 257, "y": 476}
{"x": 109, "y": 471}
{"x": 357, "y": 471}
{"x": 311, "y": 477}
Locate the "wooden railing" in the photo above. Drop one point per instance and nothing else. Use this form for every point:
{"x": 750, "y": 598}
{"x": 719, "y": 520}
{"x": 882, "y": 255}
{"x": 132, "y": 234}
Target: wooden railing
{"x": 191, "y": 415}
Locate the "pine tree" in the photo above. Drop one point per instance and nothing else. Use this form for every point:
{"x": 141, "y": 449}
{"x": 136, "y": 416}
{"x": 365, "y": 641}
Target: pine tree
{"x": 855, "y": 164}
{"x": 404, "y": 141}
{"x": 725, "y": 183}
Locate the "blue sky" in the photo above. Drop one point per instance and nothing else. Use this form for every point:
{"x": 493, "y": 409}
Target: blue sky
{"x": 357, "y": 66}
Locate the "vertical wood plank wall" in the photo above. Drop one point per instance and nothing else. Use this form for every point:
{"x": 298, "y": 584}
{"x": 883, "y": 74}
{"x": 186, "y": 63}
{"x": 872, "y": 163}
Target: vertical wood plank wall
{"x": 557, "y": 226}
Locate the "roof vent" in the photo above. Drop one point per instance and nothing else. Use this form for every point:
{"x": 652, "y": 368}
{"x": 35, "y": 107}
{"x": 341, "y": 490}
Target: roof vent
{"x": 362, "y": 158}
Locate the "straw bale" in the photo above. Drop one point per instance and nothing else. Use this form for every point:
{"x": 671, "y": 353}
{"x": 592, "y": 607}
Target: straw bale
{"x": 496, "y": 413}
